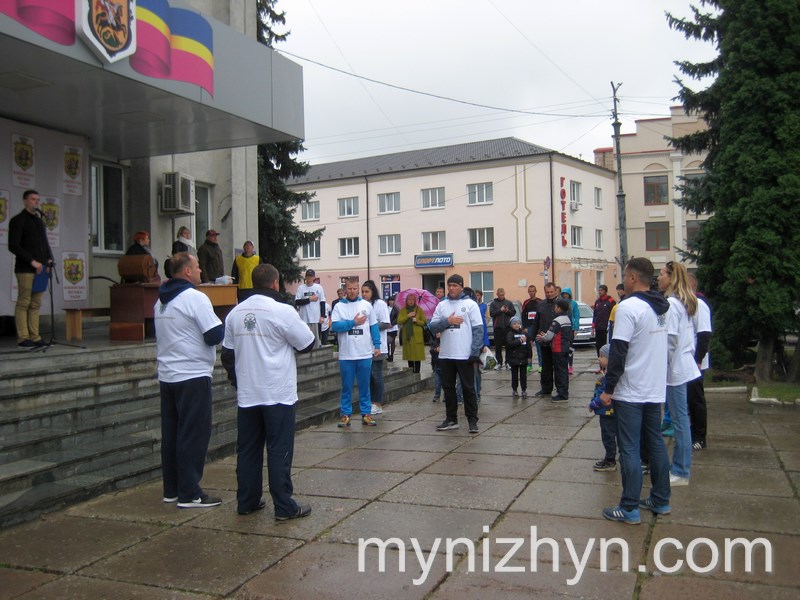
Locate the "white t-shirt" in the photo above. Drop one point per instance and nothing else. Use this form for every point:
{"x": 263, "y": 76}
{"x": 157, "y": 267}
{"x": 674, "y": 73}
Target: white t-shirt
{"x": 264, "y": 335}
{"x": 310, "y": 312}
{"x": 326, "y": 324}
{"x": 181, "y": 351}
{"x": 456, "y": 341}
{"x": 355, "y": 343}
{"x": 382, "y": 316}
{"x": 645, "y": 375}
{"x": 702, "y": 323}
{"x": 682, "y": 367}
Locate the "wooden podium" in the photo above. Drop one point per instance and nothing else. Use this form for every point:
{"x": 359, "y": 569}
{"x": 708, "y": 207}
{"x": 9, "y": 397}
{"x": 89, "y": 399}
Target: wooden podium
{"x": 132, "y": 308}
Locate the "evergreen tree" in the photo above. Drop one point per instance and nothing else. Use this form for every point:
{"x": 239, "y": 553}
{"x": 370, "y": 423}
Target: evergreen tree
{"x": 749, "y": 259}
{"x": 279, "y": 238}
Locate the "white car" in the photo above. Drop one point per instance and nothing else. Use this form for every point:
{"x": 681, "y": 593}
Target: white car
{"x": 585, "y": 334}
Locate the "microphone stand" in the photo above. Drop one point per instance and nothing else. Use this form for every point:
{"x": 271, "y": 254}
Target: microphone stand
{"x": 53, "y": 342}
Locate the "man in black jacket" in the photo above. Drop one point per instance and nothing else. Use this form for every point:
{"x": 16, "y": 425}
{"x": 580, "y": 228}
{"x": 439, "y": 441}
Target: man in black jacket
{"x": 209, "y": 255}
{"x": 501, "y": 311}
{"x": 27, "y": 240}
{"x": 545, "y": 313}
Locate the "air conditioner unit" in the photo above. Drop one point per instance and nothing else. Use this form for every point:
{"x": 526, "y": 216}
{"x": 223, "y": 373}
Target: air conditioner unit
{"x": 573, "y": 206}
{"x": 178, "y": 193}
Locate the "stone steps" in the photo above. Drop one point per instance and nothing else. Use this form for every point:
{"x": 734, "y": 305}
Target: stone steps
{"x": 80, "y": 424}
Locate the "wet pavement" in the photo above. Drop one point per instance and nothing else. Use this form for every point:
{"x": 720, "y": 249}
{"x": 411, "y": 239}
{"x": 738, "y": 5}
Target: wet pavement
{"x": 512, "y": 512}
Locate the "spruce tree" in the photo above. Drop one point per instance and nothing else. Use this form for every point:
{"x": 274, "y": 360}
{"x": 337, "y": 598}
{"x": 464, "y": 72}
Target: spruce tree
{"x": 749, "y": 258}
{"x": 279, "y": 238}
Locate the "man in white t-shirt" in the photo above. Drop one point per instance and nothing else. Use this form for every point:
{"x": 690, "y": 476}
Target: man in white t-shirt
{"x": 695, "y": 392}
{"x": 186, "y": 332}
{"x": 258, "y": 352}
{"x": 310, "y": 301}
{"x": 458, "y": 318}
{"x": 636, "y": 380}
{"x": 355, "y": 324}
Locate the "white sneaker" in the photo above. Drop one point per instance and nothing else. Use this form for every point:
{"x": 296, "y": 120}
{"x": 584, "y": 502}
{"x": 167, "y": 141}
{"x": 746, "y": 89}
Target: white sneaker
{"x": 376, "y": 410}
{"x": 675, "y": 480}
{"x": 499, "y": 367}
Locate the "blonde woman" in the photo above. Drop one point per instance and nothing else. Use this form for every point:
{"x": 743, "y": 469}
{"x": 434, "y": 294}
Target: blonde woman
{"x": 673, "y": 282}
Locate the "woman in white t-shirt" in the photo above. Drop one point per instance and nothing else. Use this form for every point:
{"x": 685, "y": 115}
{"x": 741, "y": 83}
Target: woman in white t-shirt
{"x": 673, "y": 282}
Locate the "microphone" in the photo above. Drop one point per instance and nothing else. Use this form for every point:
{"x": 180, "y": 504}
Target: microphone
{"x": 39, "y": 210}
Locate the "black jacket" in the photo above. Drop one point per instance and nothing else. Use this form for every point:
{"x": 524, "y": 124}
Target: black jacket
{"x": 27, "y": 241}
{"x": 517, "y": 353}
{"x": 545, "y": 313}
{"x": 501, "y": 319}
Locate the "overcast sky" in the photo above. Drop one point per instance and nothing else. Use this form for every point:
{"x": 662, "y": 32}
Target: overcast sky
{"x": 555, "y": 58}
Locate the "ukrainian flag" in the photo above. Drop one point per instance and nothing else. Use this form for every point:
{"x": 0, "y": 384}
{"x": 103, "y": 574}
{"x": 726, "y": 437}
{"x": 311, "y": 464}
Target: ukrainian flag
{"x": 174, "y": 43}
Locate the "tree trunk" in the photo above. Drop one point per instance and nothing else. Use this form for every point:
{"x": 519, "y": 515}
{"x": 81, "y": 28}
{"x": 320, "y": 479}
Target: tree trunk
{"x": 794, "y": 365}
{"x": 764, "y": 352}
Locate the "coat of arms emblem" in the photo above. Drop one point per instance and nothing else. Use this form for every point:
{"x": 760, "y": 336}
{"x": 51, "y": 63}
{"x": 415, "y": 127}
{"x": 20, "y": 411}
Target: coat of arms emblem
{"x": 72, "y": 163}
{"x": 23, "y": 153}
{"x": 73, "y": 270}
{"x": 3, "y": 209}
{"x": 49, "y": 215}
{"x": 108, "y": 27}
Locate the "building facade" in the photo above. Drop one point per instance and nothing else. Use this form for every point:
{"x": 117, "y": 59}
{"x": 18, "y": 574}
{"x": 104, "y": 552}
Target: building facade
{"x": 502, "y": 213}
{"x": 651, "y": 171}
{"x": 153, "y": 140}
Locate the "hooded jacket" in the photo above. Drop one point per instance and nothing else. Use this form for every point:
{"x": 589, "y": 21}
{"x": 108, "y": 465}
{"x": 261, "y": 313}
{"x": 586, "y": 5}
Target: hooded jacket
{"x": 575, "y": 313}
{"x": 602, "y": 311}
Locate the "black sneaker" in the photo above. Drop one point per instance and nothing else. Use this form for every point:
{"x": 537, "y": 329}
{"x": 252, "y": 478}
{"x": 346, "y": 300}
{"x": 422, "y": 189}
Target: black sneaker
{"x": 26, "y": 344}
{"x": 645, "y": 468}
{"x": 40, "y": 344}
{"x": 560, "y": 399}
{"x": 473, "y": 427}
{"x": 303, "y": 510}
{"x": 445, "y": 425}
{"x": 699, "y": 445}
{"x": 260, "y": 506}
{"x": 605, "y": 465}
{"x": 204, "y": 501}
{"x": 541, "y": 394}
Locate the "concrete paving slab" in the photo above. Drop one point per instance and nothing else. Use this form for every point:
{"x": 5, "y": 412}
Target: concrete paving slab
{"x": 506, "y": 446}
{"x": 443, "y": 441}
{"x": 579, "y": 531}
{"x": 198, "y": 560}
{"x": 749, "y": 458}
{"x": 669, "y": 588}
{"x": 569, "y": 499}
{"x": 759, "y": 482}
{"x": 522, "y": 430}
{"x": 582, "y": 449}
{"x": 325, "y": 513}
{"x": 310, "y": 457}
{"x": 578, "y": 470}
{"x": 590, "y": 432}
{"x": 141, "y": 504}
{"x": 15, "y": 582}
{"x": 785, "y": 554}
{"x": 426, "y": 524}
{"x": 336, "y": 438}
{"x": 429, "y": 427}
{"x": 331, "y": 571}
{"x": 64, "y": 544}
{"x": 346, "y": 484}
{"x": 457, "y": 491}
{"x": 785, "y": 441}
{"x": 696, "y": 505}
{"x": 88, "y": 587}
{"x": 549, "y": 416}
{"x": 488, "y": 465}
{"x": 544, "y": 584}
{"x": 733, "y": 440}
{"x": 790, "y": 460}
{"x": 220, "y": 476}
{"x": 738, "y": 426}
{"x": 369, "y": 459}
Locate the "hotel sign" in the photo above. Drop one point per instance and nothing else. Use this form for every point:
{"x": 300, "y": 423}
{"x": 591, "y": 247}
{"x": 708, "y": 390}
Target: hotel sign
{"x": 425, "y": 261}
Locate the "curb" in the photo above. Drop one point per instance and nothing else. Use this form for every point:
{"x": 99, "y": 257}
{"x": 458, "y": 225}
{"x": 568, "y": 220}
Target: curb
{"x": 755, "y": 399}
{"x": 737, "y": 389}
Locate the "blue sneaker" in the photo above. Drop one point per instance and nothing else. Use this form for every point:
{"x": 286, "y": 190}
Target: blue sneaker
{"x": 631, "y": 517}
{"x": 651, "y": 506}
{"x": 669, "y": 431}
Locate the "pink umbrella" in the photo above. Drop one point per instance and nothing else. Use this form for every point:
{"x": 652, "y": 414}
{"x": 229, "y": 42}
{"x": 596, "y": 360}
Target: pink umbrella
{"x": 425, "y": 300}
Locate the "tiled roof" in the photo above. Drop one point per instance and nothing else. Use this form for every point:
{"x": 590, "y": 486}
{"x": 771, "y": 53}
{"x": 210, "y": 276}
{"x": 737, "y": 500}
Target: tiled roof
{"x": 460, "y": 154}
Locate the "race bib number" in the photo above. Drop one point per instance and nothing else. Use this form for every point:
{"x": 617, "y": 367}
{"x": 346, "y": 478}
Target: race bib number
{"x": 356, "y": 332}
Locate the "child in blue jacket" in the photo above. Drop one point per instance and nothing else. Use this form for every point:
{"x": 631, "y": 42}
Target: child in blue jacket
{"x": 608, "y": 428}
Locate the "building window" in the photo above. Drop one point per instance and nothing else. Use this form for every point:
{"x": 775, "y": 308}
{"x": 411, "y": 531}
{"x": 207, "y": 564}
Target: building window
{"x": 202, "y": 210}
{"x": 484, "y": 281}
{"x": 433, "y": 241}
{"x": 348, "y": 247}
{"x": 656, "y": 235}
{"x": 479, "y": 193}
{"x": 311, "y": 249}
{"x": 481, "y": 239}
{"x": 348, "y": 207}
{"x": 309, "y": 211}
{"x": 389, "y": 244}
{"x": 577, "y": 236}
{"x": 432, "y": 198}
{"x": 108, "y": 208}
{"x": 600, "y": 279}
{"x": 575, "y": 192}
{"x": 388, "y": 203}
{"x": 598, "y": 198}
{"x": 693, "y": 229}
{"x": 655, "y": 190}
{"x": 598, "y": 239}
{"x": 576, "y": 288}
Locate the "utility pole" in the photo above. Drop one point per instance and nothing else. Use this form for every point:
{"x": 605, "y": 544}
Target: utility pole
{"x": 623, "y": 228}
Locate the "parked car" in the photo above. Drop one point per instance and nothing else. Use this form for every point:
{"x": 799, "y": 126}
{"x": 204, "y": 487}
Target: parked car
{"x": 490, "y": 324}
{"x": 585, "y": 334}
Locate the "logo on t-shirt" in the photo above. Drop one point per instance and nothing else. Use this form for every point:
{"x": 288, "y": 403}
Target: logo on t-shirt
{"x": 250, "y": 322}
{"x": 463, "y": 309}
{"x": 662, "y": 320}
{"x": 163, "y": 309}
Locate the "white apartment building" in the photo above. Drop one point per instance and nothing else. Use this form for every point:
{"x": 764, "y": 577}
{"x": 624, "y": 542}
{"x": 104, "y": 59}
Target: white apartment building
{"x": 501, "y": 213}
{"x": 651, "y": 170}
